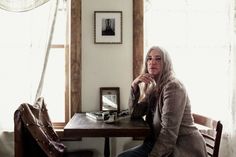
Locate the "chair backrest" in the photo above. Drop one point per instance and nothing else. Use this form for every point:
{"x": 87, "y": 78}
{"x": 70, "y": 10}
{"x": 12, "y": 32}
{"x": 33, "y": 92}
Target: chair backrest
{"x": 211, "y": 130}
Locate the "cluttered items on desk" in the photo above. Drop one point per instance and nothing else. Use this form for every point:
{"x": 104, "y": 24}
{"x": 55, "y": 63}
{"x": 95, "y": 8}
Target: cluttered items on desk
{"x": 95, "y": 115}
{"x": 108, "y": 117}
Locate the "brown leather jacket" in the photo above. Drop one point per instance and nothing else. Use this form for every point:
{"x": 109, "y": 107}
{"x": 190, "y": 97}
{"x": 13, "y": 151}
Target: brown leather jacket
{"x": 33, "y": 132}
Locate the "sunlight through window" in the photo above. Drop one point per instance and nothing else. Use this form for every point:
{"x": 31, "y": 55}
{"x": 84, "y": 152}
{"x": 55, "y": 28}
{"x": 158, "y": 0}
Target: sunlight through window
{"x": 197, "y": 36}
{"x": 22, "y": 40}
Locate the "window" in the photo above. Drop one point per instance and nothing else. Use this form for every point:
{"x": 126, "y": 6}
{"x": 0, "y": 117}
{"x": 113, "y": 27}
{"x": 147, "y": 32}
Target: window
{"x": 54, "y": 81}
{"x": 21, "y": 60}
{"x": 197, "y": 35}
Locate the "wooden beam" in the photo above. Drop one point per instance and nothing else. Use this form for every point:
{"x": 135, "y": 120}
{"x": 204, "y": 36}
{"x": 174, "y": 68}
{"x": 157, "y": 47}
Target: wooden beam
{"x": 75, "y": 57}
{"x": 137, "y": 37}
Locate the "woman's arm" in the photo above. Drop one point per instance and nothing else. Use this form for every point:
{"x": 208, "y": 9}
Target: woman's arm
{"x": 137, "y": 110}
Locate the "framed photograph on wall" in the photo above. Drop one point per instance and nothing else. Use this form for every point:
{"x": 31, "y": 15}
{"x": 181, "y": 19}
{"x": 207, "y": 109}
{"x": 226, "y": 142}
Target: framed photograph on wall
{"x": 107, "y": 27}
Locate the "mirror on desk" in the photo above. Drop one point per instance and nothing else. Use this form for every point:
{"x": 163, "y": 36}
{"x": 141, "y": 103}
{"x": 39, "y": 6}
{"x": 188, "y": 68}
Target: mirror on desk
{"x": 110, "y": 99}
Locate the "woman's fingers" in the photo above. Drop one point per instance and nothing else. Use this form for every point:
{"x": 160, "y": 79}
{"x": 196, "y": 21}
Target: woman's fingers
{"x": 146, "y": 78}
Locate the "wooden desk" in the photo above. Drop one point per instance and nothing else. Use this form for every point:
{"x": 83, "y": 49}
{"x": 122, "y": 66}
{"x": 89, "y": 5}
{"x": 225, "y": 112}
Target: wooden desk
{"x": 82, "y": 126}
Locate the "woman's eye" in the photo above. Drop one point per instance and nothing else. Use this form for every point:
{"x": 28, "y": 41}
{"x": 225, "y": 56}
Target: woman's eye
{"x": 154, "y": 58}
{"x": 149, "y": 58}
{"x": 158, "y": 59}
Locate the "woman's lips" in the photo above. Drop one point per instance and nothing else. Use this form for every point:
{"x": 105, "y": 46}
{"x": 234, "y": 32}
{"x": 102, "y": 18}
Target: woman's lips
{"x": 152, "y": 68}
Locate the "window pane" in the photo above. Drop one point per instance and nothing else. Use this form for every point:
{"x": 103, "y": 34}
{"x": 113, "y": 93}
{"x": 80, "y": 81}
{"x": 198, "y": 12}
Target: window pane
{"x": 197, "y": 36}
{"x": 54, "y": 85}
{"x": 59, "y": 33}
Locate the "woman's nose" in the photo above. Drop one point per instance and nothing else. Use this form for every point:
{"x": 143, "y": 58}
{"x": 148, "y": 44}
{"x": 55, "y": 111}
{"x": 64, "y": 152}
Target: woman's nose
{"x": 153, "y": 61}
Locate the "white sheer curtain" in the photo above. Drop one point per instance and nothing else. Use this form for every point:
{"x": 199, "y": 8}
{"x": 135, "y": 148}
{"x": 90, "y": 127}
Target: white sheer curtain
{"x": 24, "y": 47}
{"x": 199, "y": 37}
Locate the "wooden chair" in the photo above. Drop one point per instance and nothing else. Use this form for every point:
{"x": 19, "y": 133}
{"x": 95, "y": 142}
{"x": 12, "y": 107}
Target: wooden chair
{"x": 211, "y": 130}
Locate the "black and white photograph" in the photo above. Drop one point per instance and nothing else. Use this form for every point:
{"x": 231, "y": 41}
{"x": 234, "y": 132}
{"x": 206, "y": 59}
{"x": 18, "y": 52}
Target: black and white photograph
{"x": 108, "y": 27}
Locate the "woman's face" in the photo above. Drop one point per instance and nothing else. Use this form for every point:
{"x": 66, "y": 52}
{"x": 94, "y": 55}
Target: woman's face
{"x": 154, "y": 62}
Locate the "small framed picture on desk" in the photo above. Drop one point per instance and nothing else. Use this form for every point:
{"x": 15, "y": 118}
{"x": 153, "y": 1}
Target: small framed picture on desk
{"x": 110, "y": 99}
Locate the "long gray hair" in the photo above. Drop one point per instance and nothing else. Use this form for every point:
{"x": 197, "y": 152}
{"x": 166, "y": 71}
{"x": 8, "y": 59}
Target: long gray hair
{"x": 165, "y": 75}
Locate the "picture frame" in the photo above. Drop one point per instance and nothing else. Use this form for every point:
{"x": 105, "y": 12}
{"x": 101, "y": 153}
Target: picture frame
{"x": 110, "y": 99}
{"x": 108, "y": 27}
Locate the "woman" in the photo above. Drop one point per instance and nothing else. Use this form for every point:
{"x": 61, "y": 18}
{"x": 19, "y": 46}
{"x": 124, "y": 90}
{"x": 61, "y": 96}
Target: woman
{"x": 163, "y": 100}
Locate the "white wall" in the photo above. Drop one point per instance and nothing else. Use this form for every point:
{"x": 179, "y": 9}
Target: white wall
{"x": 105, "y": 65}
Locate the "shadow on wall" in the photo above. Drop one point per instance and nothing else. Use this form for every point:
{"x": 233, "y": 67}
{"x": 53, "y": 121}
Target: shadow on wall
{"x": 7, "y": 144}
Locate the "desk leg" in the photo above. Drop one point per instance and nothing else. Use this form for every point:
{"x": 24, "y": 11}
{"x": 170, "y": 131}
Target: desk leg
{"x": 107, "y": 147}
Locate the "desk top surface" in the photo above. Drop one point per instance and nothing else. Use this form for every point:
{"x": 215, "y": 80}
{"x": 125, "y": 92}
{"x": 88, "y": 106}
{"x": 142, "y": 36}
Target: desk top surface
{"x": 83, "y": 126}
